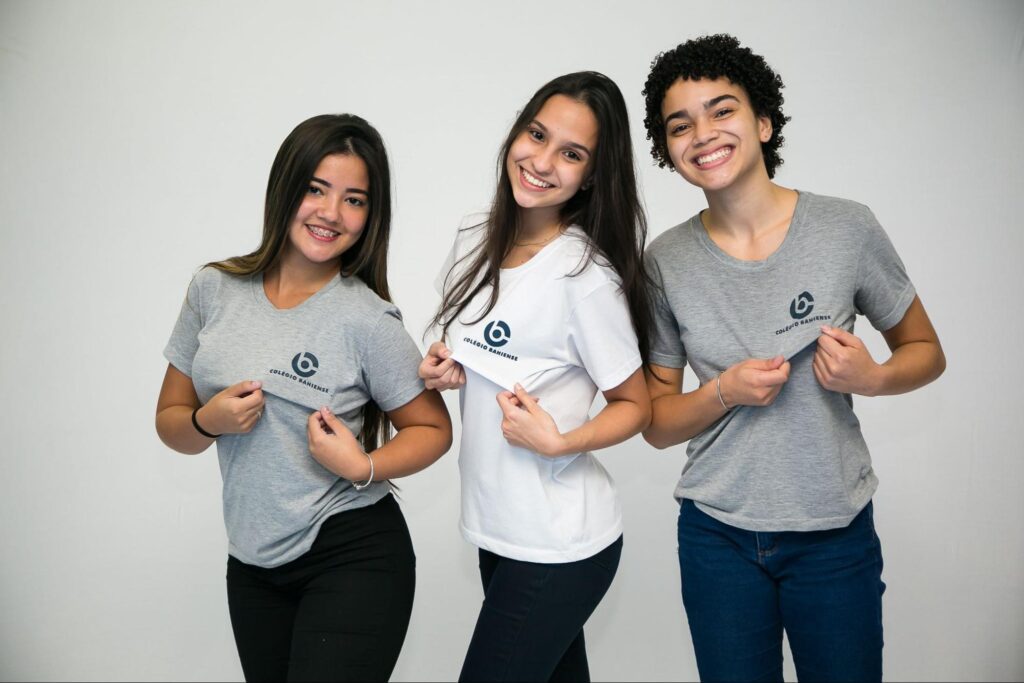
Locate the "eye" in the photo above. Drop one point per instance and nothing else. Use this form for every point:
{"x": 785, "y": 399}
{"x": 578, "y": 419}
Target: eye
{"x": 572, "y": 155}
{"x": 535, "y": 134}
{"x": 723, "y": 112}
{"x": 355, "y": 201}
{"x": 679, "y": 129}
{"x": 314, "y": 190}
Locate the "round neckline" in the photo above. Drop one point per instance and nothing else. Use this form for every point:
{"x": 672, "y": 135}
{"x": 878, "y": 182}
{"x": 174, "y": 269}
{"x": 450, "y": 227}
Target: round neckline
{"x": 697, "y": 225}
{"x": 260, "y": 294}
{"x": 546, "y": 249}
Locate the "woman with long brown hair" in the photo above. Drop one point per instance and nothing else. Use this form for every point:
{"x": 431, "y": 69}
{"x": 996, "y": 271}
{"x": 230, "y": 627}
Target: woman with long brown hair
{"x": 544, "y": 300}
{"x": 282, "y": 357}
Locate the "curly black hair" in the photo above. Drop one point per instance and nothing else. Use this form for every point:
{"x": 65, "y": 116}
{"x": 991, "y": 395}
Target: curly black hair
{"x": 713, "y": 57}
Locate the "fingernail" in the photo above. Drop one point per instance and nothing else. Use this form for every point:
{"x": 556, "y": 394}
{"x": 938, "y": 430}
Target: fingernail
{"x": 519, "y": 387}
{"x": 257, "y": 384}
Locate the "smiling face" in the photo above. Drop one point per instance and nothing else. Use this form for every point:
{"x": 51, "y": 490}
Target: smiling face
{"x": 550, "y": 160}
{"x": 712, "y": 133}
{"x": 333, "y": 211}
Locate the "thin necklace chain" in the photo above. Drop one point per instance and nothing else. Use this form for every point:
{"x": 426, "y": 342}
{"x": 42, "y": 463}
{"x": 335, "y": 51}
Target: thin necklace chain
{"x": 543, "y": 241}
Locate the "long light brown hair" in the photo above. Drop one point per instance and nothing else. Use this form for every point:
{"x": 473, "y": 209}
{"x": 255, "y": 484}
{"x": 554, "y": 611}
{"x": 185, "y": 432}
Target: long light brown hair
{"x": 367, "y": 259}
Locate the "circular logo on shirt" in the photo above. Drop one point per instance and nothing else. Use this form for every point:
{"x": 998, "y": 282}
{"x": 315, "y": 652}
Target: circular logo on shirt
{"x": 801, "y": 306}
{"x": 497, "y": 333}
{"x": 305, "y": 364}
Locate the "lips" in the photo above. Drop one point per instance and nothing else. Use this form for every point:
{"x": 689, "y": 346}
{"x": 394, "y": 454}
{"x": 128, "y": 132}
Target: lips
{"x": 322, "y": 234}
{"x": 532, "y": 182}
{"x": 713, "y": 158}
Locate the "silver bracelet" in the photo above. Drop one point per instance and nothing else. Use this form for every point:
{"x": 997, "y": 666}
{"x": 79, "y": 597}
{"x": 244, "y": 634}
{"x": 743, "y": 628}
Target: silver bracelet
{"x": 718, "y": 390}
{"x": 359, "y": 487}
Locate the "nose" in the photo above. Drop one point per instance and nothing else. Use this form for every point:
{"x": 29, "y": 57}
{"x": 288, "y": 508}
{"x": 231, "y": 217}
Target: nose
{"x": 328, "y": 210}
{"x": 704, "y": 131}
{"x": 544, "y": 161}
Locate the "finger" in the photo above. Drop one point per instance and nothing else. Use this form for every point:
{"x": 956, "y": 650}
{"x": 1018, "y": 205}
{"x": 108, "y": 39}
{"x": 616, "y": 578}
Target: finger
{"x": 785, "y": 368}
{"x": 842, "y": 336}
{"x": 251, "y": 401}
{"x": 313, "y": 428}
{"x": 445, "y": 380}
{"x": 524, "y": 398}
{"x": 771, "y": 378}
{"x": 243, "y": 388}
{"x": 459, "y": 376}
{"x": 767, "y": 364}
{"x": 439, "y": 368}
{"x": 331, "y": 420}
{"x": 504, "y": 400}
{"x": 439, "y": 350}
{"x": 829, "y": 346}
{"x": 819, "y": 371}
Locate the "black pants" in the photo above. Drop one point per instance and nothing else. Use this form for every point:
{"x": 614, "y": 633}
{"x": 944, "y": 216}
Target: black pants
{"x": 339, "y": 612}
{"x": 530, "y": 627}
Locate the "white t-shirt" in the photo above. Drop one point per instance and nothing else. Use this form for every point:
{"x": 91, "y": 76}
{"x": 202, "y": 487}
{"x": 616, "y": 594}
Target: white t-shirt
{"x": 561, "y": 328}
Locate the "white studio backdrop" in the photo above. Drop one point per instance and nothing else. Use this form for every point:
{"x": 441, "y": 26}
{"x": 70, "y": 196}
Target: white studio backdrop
{"x": 136, "y": 138}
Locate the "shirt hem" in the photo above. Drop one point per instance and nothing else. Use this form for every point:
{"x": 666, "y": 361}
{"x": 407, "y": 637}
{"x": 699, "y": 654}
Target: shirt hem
{"x": 785, "y": 524}
{"x": 544, "y": 555}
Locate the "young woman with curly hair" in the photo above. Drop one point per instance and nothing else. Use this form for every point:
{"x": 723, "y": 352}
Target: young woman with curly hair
{"x": 282, "y": 356}
{"x": 544, "y": 300}
{"x": 758, "y": 294}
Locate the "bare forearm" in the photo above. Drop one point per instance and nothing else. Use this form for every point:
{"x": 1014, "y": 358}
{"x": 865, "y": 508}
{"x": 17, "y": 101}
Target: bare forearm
{"x": 412, "y": 449}
{"x": 618, "y": 421}
{"x": 680, "y": 417}
{"x": 174, "y": 427}
{"x": 910, "y": 367}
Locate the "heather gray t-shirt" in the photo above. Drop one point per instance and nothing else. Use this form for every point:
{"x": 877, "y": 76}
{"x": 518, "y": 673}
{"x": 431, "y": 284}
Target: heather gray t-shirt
{"x": 800, "y": 464}
{"x": 340, "y": 348}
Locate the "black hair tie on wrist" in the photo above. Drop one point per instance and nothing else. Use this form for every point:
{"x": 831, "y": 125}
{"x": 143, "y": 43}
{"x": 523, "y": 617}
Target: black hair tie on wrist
{"x": 195, "y": 423}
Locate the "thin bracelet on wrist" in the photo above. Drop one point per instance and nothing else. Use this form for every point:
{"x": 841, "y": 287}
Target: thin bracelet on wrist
{"x": 195, "y": 423}
{"x": 718, "y": 391}
{"x": 359, "y": 487}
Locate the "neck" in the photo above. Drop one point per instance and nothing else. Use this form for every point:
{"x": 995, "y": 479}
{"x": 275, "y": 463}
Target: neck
{"x": 538, "y": 224}
{"x": 293, "y": 274}
{"x": 748, "y": 208}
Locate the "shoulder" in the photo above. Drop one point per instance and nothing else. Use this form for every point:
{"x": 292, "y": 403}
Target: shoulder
{"x": 585, "y": 267}
{"x": 362, "y": 308}
{"x": 671, "y": 241}
{"x": 210, "y": 284}
{"x": 821, "y": 208}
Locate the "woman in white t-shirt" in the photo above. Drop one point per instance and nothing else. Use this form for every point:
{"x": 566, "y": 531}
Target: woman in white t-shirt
{"x": 544, "y": 300}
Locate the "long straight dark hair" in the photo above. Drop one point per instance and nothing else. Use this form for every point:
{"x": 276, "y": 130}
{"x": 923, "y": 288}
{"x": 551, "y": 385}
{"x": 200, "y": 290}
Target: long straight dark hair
{"x": 367, "y": 259}
{"x": 608, "y": 210}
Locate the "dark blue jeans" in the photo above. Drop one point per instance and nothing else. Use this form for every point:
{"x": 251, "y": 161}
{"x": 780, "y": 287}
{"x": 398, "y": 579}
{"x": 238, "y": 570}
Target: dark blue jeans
{"x": 741, "y": 589}
{"x": 530, "y": 627}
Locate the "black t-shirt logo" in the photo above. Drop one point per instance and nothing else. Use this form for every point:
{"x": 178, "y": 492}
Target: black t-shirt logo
{"x": 305, "y": 364}
{"x": 497, "y": 333}
{"x": 801, "y": 306}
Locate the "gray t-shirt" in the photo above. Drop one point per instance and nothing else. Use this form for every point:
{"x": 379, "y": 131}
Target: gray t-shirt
{"x": 800, "y": 464}
{"x": 340, "y": 348}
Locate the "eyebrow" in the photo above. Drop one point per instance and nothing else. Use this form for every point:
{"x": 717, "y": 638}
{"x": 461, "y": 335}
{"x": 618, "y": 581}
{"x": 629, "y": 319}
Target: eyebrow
{"x": 682, "y": 113}
{"x": 574, "y": 145}
{"x": 323, "y": 182}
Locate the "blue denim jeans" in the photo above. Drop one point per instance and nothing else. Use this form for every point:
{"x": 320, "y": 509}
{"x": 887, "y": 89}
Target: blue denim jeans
{"x": 741, "y": 589}
{"x": 530, "y": 627}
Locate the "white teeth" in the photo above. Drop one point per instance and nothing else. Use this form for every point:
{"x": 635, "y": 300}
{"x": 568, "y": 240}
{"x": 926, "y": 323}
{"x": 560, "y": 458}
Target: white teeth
{"x": 715, "y": 156}
{"x": 322, "y": 232}
{"x": 535, "y": 181}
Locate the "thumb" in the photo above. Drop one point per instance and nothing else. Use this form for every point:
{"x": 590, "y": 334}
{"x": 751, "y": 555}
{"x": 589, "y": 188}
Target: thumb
{"x": 771, "y": 363}
{"x": 331, "y": 420}
{"x": 505, "y": 401}
{"x": 525, "y": 399}
{"x": 243, "y": 388}
{"x": 840, "y": 335}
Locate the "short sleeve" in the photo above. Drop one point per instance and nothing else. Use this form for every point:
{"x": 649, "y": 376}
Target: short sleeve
{"x": 391, "y": 362}
{"x": 666, "y": 343}
{"x": 184, "y": 342}
{"x": 601, "y": 331}
{"x": 884, "y": 291}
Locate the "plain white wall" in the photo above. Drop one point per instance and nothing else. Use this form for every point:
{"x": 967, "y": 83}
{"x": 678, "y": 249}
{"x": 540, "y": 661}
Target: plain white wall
{"x": 136, "y": 138}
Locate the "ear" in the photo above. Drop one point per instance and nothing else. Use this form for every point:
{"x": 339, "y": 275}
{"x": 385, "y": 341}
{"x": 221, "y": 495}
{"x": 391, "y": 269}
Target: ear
{"x": 764, "y": 128}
